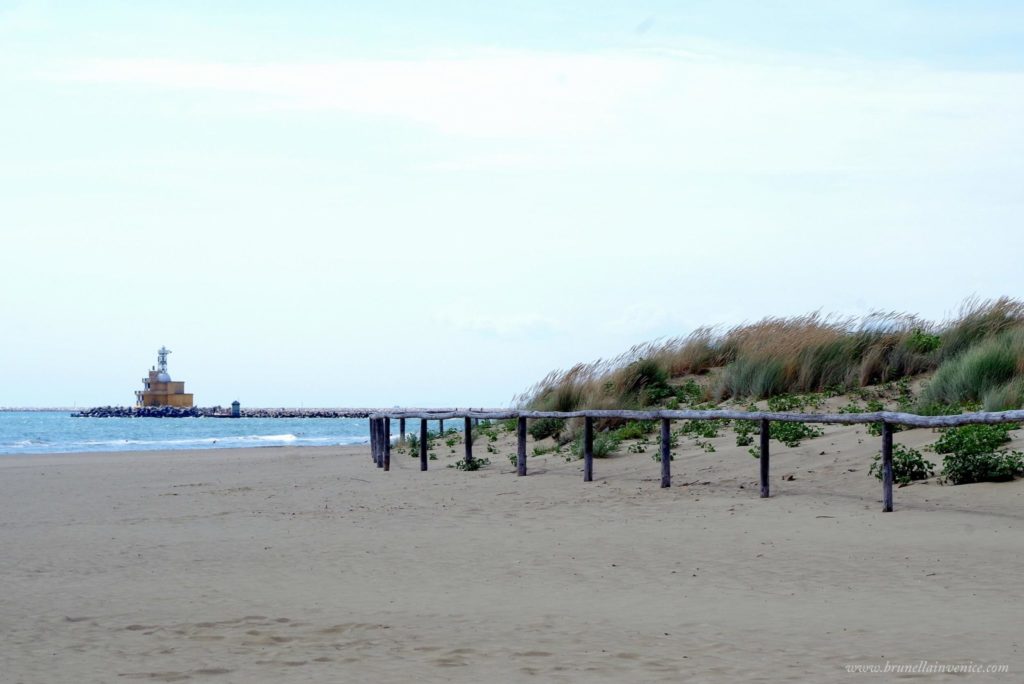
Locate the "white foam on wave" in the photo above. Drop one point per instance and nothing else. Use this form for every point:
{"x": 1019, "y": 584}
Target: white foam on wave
{"x": 272, "y": 438}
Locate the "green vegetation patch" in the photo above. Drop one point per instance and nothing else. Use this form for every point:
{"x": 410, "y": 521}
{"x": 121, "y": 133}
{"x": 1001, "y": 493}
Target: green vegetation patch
{"x": 546, "y": 427}
{"x": 907, "y": 465}
{"x": 973, "y": 453}
{"x": 473, "y": 464}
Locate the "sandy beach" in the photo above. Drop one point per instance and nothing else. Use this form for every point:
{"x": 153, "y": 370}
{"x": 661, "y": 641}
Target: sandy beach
{"x": 310, "y": 565}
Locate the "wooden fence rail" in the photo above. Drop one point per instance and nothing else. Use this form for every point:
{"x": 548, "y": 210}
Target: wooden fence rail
{"x": 380, "y": 432}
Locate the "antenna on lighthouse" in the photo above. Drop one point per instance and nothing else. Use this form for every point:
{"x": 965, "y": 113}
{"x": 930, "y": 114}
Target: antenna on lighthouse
{"x": 161, "y": 359}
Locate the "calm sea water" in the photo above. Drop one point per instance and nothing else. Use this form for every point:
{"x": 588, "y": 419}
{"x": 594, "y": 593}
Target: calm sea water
{"x": 39, "y": 432}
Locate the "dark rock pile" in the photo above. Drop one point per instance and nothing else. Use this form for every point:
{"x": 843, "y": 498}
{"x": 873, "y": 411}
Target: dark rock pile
{"x": 149, "y": 412}
{"x": 216, "y": 412}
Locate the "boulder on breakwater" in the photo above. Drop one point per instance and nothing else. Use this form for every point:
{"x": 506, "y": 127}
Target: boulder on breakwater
{"x": 148, "y": 412}
{"x": 215, "y": 412}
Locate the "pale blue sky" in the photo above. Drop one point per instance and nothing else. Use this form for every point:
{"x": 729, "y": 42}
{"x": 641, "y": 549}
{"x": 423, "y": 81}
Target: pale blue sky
{"x": 328, "y": 204}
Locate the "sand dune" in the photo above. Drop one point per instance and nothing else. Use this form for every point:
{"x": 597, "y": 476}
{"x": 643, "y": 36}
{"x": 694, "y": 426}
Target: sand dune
{"x": 309, "y": 564}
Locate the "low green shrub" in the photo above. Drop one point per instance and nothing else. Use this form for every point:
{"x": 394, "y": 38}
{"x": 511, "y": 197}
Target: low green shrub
{"x": 973, "y": 454}
{"x": 791, "y": 434}
{"x": 485, "y": 429}
{"x": 794, "y": 402}
{"x": 689, "y": 393}
{"x": 907, "y": 465}
{"x": 638, "y": 447}
{"x": 746, "y": 429}
{"x": 546, "y": 427}
{"x": 922, "y": 342}
{"x": 657, "y": 394}
{"x": 634, "y": 429}
{"x": 474, "y": 464}
{"x": 998, "y": 466}
{"x": 707, "y": 429}
{"x": 971, "y": 440}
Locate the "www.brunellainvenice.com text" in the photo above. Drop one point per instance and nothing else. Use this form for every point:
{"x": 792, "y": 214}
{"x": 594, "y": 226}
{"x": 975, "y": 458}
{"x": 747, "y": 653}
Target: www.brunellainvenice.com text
{"x": 927, "y": 667}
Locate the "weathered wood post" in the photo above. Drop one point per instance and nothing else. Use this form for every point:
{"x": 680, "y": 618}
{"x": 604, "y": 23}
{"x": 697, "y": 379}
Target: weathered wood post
{"x": 521, "y": 444}
{"x": 380, "y": 442}
{"x": 666, "y": 454}
{"x": 375, "y": 434}
{"x": 373, "y": 440}
{"x": 423, "y": 443}
{"x": 440, "y": 427}
{"x": 886, "y": 467}
{"x": 588, "y": 449}
{"x": 401, "y": 430}
{"x": 387, "y": 444}
{"x": 467, "y": 437}
{"x": 766, "y": 433}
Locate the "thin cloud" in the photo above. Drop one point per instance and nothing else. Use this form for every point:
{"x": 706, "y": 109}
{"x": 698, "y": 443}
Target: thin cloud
{"x": 519, "y": 94}
{"x": 643, "y": 110}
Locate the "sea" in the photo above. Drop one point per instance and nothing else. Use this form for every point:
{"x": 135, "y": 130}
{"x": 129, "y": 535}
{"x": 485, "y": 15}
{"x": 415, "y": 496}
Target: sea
{"x": 45, "y": 432}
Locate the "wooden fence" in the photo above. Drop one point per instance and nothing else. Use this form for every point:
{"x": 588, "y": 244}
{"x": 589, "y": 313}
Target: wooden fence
{"x": 380, "y": 432}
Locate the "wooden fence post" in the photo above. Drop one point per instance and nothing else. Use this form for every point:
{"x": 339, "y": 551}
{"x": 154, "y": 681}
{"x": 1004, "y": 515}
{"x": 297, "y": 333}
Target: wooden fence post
{"x": 521, "y": 444}
{"x": 886, "y": 467}
{"x": 440, "y": 427}
{"x": 423, "y": 443}
{"x": 373, "y": 440}
{"x": 401, "y": 430}
{"x": 467, "y": 436}
{"x": 387, "y": 444}
{"x": 588, "y": 449}
{"x": 766, "y": 433}
{"x": 666, "y": 454}
{"x": 380, "y": 442}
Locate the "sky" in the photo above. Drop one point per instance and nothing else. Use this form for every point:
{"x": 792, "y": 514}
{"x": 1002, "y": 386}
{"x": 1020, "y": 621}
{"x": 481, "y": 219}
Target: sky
{"x": 434, "y": 204}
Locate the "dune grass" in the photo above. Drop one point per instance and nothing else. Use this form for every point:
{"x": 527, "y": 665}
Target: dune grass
{"x": 991, "y": 373}
{"x": 977, "y": 356}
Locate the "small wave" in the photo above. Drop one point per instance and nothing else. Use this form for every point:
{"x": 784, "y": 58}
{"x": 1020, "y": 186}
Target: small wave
{"x": 271, "y": 438}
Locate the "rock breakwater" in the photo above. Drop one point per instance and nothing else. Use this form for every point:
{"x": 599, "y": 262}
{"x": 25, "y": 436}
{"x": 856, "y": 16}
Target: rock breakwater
{"x": 217, "y": 412}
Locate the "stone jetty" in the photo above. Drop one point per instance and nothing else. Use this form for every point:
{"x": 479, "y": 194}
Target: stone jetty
{"x": 217, "y": 412}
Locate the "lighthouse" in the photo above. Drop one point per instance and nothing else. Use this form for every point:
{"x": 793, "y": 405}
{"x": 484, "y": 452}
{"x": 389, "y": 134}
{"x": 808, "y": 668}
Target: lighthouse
{"x": 159, "y": 390}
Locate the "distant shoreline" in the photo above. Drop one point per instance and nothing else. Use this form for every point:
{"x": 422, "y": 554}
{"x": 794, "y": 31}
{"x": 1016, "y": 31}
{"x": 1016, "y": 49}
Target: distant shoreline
{"x": 39, "y": 409}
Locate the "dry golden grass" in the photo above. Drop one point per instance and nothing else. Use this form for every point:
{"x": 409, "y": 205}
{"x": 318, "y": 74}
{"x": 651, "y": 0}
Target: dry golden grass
{"x": 805, "y": 353}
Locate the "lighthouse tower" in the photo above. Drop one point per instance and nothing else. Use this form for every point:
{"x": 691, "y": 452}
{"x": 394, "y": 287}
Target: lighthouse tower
{"x": 158, "y": 389}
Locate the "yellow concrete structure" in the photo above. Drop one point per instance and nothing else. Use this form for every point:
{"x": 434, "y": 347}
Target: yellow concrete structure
{"x": 159, "y": 389}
